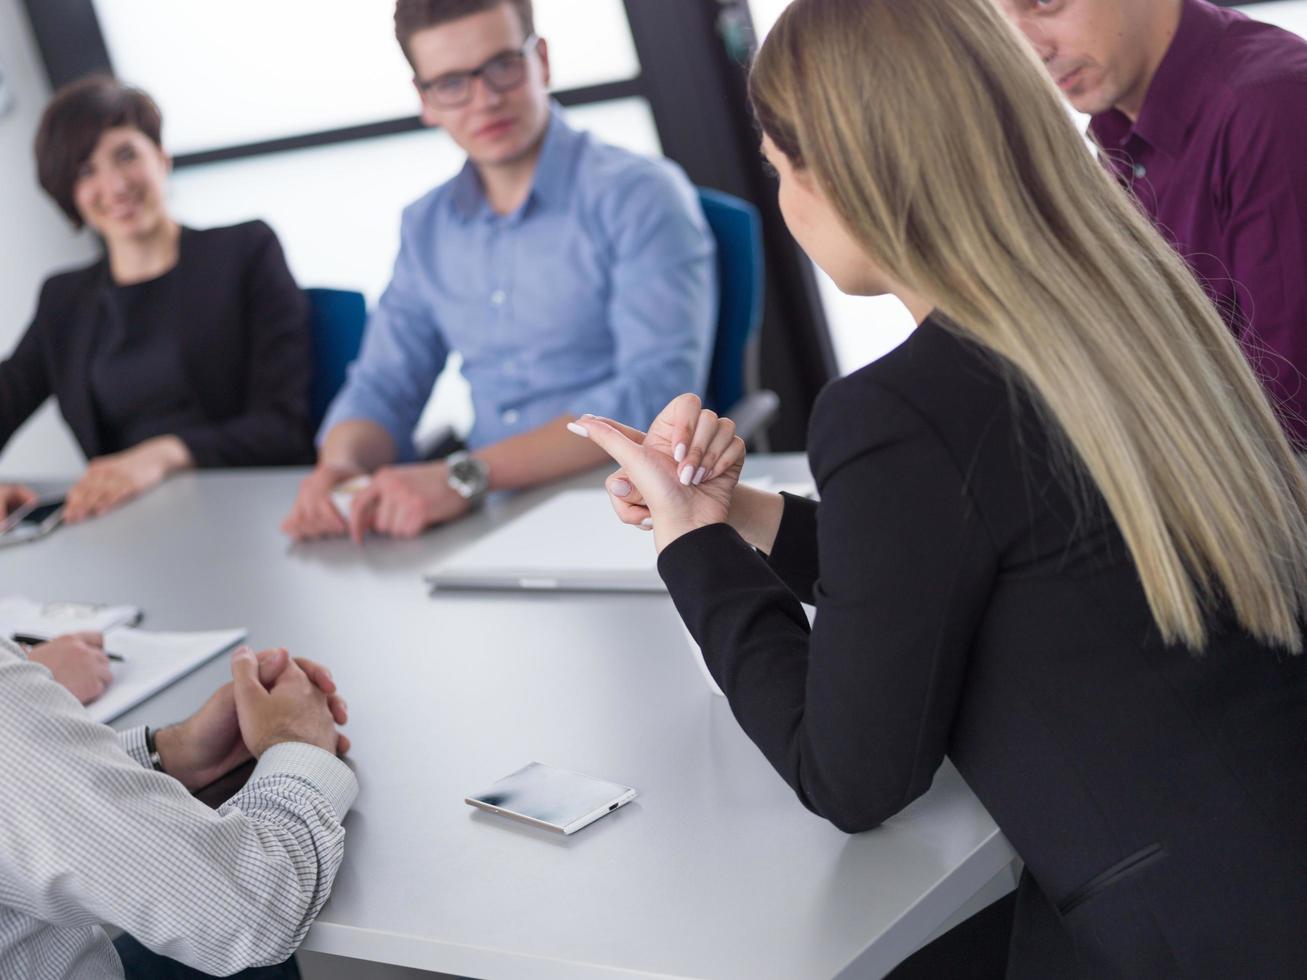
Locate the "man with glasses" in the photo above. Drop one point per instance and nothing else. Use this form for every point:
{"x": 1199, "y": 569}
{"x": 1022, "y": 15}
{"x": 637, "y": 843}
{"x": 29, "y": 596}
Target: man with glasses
{"x": 1200, "y": 112}
{"x": 572, "y": 276}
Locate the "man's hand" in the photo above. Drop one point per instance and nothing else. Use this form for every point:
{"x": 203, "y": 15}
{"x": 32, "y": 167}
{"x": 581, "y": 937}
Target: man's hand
{"x": 13, "y": 496}
{"x": 78, "y": 662}
{"x": 401, "y": 501}
{"x": 294, "y": 709}
{"x": 111, "y": 481}
{"x": 208, "y": 745}
{"x": 314, "y": 513}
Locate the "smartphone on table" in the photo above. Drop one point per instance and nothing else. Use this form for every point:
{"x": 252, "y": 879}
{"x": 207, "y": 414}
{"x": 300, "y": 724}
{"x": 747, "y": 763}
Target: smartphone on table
{"x": 552, "y": 799}
{"x": 34, "y": 519}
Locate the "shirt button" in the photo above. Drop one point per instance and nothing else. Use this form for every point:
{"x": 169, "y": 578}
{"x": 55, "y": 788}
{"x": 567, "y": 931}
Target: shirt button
{"x": 1140, "y": 171}
{"x": 498, "y": 297}
{"x": 510, "y": 417}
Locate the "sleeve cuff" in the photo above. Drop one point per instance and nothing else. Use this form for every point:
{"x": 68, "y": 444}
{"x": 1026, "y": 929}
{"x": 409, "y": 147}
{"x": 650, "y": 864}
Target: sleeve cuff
{"x": 202, "y": 445}
{"x": 133, "y": 743}
{"x": 318, "y": 767}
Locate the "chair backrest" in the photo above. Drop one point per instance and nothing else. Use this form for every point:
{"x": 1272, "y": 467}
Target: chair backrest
{"x": 337, "y": 321}
{"x": 737, "y": 226}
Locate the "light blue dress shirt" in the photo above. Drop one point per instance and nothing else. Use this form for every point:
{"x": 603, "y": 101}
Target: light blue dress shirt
{"x": 599, "y": 294}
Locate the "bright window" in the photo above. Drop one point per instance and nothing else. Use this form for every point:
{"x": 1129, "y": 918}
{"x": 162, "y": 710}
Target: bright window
{"x": 244, "y": 71}
{"x": 1289, "y": 14}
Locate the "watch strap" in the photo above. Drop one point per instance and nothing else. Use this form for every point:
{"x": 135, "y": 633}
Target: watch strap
{"x": 156, "y": 763}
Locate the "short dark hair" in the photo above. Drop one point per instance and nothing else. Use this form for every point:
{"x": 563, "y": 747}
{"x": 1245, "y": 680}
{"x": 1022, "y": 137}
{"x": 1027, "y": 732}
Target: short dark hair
{"x": 73, "y": 123}
{"x": 412, "y": 16}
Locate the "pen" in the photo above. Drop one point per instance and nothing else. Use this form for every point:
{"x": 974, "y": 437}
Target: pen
{"x": 32, "y": 641}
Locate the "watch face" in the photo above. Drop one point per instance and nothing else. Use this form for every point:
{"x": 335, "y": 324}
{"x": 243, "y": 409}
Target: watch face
{"x": 468, "y": 477}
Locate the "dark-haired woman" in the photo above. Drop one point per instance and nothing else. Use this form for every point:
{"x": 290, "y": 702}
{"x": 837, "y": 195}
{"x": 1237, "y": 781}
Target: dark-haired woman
{"x": 179, "y": 348}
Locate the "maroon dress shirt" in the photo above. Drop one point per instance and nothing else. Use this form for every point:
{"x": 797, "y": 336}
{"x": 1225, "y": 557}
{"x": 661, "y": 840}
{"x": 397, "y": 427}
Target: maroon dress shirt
{"x": 1218, "y": 158}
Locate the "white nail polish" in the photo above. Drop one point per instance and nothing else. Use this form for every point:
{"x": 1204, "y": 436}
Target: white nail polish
{"x": 579, "y": 430}
{"x": 699, "y": 474}
{"x": 687, "y": 474}
{"x": 679, "y": 454}
{"x": 647, "y": 522}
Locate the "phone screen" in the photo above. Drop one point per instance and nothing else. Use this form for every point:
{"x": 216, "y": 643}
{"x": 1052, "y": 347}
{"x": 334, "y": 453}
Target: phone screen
{"x": 31, "y": 521}
{"x": 559, "y": 799}
{"x": 40, "y": 513}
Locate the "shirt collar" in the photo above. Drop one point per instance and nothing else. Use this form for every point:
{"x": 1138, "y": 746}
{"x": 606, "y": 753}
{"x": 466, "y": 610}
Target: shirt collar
{"x": 1176, "y": 95}
{"x": 549, "y": 185}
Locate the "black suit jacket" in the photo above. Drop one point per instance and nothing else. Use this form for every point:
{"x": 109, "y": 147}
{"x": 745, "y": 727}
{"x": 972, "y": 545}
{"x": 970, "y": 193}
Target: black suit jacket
{"x": 244, "y": 336}
{"x": 974, "y": 598}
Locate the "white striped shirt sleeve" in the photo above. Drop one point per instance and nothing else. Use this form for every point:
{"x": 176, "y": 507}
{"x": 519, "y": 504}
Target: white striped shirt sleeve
{"x": 91, "y": 834}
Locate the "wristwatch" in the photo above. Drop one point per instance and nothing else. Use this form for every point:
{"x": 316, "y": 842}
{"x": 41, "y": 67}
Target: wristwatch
{"x": 156, "y": 762}
{"x": 469, "y": 477}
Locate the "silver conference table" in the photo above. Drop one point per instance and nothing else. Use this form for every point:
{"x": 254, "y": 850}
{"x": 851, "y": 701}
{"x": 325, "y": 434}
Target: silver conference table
{"x": 714, "y": 871}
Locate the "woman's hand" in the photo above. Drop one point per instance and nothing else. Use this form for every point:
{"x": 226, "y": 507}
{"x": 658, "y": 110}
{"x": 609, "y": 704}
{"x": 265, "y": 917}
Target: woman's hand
{"x": 695, "y": 437}
{"x": 111, "y": 481}
{"x": 678, "y": 477}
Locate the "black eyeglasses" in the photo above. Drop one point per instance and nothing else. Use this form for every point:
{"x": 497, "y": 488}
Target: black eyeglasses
{"x": 502, "y": 73}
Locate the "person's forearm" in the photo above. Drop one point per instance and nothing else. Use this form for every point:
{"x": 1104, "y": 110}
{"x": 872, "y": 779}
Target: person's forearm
{"x": 547, "y": 453}
{"x": 357, "y": 446}
{"x": 756, "y": 516}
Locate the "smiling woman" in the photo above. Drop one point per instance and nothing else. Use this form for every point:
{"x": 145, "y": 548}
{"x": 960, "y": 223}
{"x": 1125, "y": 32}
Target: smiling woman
{"x": 68, "y": 141}
{"x": 180, "y": 348}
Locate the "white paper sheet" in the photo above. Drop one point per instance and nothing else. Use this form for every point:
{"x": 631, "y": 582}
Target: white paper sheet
{"x": 152, "y": 661}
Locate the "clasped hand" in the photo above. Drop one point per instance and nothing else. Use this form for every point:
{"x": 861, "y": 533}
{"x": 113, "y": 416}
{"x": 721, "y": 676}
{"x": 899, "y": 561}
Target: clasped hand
{"x": 399, "y": 502}
{"x": 272, "y": 698}
{"x": 679, "y": 476}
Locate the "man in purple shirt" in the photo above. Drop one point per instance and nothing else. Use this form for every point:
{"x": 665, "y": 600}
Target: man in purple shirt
{"x": 1202, "y": 113}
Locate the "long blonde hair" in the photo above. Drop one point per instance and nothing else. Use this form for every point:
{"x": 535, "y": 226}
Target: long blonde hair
{"x": 940, "y": 141}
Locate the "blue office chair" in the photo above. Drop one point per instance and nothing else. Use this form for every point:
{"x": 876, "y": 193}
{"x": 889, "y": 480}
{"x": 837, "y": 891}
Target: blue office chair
{"x": 737, "y": 227}
{"x": 337, "y": 320}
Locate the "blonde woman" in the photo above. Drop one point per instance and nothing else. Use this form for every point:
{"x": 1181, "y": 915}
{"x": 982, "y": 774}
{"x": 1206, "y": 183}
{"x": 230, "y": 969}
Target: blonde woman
{"x": 1061, "y": 537}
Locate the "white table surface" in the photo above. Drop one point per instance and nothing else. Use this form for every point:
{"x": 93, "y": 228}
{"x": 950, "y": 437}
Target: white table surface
{"x": 714, "y": 871}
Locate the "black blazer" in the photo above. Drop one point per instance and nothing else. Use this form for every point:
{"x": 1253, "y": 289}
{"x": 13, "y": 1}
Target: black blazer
{"x": 975, "y": 599}
{"x": 244, "y": 339}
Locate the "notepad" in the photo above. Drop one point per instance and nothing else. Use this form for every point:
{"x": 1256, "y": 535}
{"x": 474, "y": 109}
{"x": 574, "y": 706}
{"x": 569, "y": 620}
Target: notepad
{"x": 152, "y": 661}
{"x": 47, "y": 619}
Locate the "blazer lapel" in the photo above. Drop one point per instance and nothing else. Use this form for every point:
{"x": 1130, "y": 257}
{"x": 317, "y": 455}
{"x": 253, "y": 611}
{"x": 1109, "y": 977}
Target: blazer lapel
{"x": 90, "y": 321}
